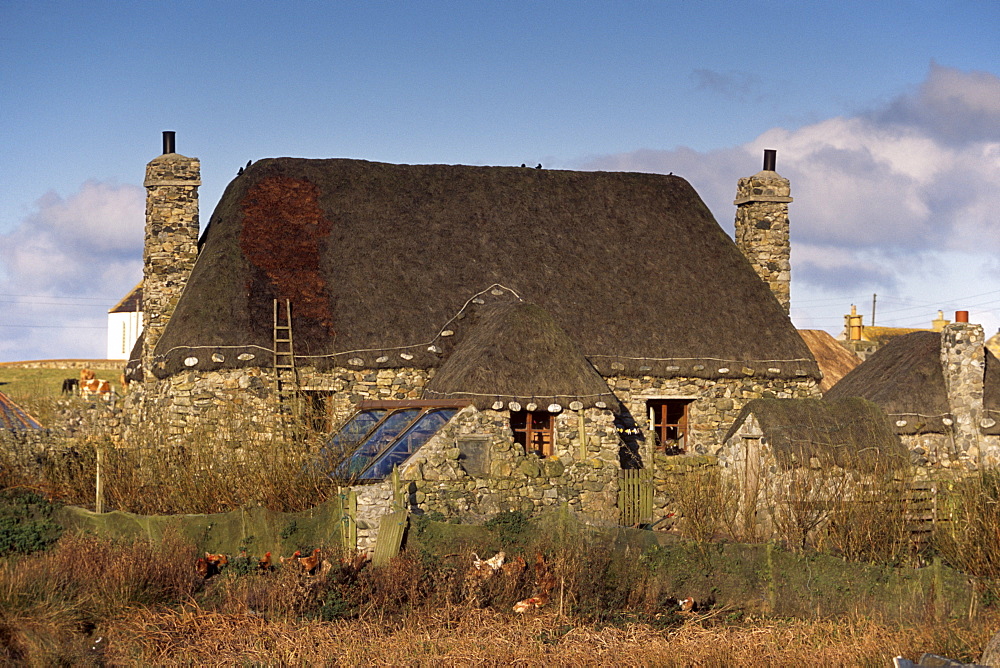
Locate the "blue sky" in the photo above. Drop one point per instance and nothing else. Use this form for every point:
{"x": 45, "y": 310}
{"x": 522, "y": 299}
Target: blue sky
{"x": 885, "y": 115}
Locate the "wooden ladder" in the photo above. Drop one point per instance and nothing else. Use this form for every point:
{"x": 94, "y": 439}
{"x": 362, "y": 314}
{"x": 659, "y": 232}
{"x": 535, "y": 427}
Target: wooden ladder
{"x": 285, "y": 375}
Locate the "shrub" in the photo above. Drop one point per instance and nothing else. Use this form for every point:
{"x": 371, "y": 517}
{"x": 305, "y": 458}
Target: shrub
{"x": 26, "y": 523}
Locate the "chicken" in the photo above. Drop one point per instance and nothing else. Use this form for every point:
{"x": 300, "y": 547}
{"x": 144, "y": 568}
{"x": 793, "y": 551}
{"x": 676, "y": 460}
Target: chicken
{"x": 687, "y": 605}
{"x": 513, "y": 569}
{"x": 292, "y": 560}
{"x": 351, "y": 566}
{"x": 215, "y": 562}
{"x": 309, "y": 564}
{"x": 545, "y": 582}
{"x": 484, "y": 569}
{"x": 264, "y": 565}
{"x": 201, "y": 567}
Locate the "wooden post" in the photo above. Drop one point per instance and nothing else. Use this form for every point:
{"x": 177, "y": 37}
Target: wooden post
{"x": 398, "y": 496}
{"x": 348, "y": 518}
{"x": 583, "y": 434}
{"x": 99, "y": 483}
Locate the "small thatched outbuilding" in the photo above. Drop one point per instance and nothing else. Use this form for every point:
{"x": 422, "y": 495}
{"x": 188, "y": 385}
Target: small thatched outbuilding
{"x": 790, "y": 461}
{"x": 941, "y": 392}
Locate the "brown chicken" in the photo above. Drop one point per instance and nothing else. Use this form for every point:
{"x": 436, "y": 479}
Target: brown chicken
{"x": 351, "y": 566}
{"x": 215, "y": 562}
{"x": 311, "y": 563}
{"x": 545, "y": 582}
{"x": 264, "y": 565}
{"x": 292, "y": 560}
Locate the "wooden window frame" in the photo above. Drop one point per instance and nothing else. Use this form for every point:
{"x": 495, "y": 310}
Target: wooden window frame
{"x": 670, "y": 422}
{"x": 539, "y": 440}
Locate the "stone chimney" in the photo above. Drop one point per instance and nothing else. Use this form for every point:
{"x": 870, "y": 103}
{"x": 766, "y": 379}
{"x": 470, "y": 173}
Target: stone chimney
{"x": 963, "y": 362}
{"x": 762, "y": 226}
{"x": 171, "y": 239}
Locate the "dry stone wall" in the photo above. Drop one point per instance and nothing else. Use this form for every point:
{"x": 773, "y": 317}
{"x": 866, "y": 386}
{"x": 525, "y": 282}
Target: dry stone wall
{"x": 190, "y": 402}
{"x": 473, "y": 469}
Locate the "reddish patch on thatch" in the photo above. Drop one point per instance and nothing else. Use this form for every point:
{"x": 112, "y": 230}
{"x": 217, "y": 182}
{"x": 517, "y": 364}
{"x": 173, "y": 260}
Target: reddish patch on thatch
{"x": 283, "y": 233}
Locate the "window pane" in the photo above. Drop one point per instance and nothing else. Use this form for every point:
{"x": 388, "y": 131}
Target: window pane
{"x": 409, "y": 442}
{"x": 352, "y": 433}
{"x": 383, "y": 435}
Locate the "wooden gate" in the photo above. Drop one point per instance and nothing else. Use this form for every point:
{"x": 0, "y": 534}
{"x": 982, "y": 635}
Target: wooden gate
{"x": 635, "y": 497}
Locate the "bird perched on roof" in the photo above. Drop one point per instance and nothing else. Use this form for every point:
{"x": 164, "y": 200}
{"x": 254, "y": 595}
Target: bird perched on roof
{"x": 538, "y": 166}
{"x": 240, "y": 172}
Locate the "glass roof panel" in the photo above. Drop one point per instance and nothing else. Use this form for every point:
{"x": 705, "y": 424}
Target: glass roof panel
{"x": 409, "y": 442}
{"x": 384, "y": 434}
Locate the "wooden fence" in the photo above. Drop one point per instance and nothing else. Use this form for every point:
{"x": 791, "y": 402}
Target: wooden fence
{"x": 635, "y": 497}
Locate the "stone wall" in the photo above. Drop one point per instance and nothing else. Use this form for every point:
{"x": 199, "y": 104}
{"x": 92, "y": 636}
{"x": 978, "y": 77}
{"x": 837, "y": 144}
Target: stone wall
{"x": 762, "y": 229}
{"x": 171, "y": 241}
{"x": 191, "y": 402}
{"x": 715, "y": 405}
{"x": 450, "y": 479}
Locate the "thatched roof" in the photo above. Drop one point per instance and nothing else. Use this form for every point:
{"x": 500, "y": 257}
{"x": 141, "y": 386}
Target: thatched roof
{"x": 835, "y": 361}
{"x": 851, "y": 433}
{"x": 517, "y": 352}
{"x": 881, "y": 336}
{"x": 906, "y": 380}
{"x": 379, "y": 260}
{"x": 15, "y": 418}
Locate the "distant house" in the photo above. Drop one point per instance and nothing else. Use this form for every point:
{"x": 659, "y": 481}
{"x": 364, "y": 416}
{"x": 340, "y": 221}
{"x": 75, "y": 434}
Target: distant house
{"x": 864, "y": 340}
{"x": 125, "y": 324}
{"x": 552, "y": 310}
{"x": 941, "y": 391}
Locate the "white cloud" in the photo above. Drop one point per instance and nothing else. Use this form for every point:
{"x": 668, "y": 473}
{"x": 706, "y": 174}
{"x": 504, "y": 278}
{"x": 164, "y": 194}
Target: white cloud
{"x": 883, "y": 200}
{"x": 65, "y": 265}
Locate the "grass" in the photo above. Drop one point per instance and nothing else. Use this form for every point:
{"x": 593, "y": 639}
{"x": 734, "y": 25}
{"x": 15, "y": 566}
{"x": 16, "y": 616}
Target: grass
{"x": 23, "y": 384}
{"x": 149, "y": 608}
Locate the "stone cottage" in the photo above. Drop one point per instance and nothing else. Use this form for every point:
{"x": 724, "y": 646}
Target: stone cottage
{"x": 573, "y": 317}
{"x": 942, "y": 392}
{"x": 800, "y": 456}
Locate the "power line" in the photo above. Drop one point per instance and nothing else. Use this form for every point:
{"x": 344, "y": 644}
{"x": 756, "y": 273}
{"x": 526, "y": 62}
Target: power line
{"x": 99, "y": 299}
{"x": 56, "y": 326}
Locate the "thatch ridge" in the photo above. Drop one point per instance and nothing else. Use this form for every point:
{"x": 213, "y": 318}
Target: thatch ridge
{"x": 517, "y": 352}
{"x": 632, "y": 265}
{"x": 851, "y": 433}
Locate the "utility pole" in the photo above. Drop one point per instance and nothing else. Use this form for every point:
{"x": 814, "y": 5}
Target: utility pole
{"x": 873, "y": 308}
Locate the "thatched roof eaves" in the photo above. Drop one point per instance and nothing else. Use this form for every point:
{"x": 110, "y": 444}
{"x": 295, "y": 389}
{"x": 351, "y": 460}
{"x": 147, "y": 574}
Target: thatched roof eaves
{"x": 377, "y": 259}
{"x": 851, "y": 433}
{"x": 516, "y": 352}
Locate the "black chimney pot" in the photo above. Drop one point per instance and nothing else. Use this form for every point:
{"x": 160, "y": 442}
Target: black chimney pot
{"x": 770, "y": 158}
{"x": 168, "y": 141}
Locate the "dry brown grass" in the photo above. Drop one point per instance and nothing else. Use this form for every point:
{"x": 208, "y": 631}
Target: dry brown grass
{"x": 477, "y": 637}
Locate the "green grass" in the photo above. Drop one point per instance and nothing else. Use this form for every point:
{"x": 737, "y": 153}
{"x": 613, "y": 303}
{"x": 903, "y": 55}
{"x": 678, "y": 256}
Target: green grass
{"x": 20, "y": 384}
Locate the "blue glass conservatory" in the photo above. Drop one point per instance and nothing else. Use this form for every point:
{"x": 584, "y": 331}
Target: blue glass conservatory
{"x": 382, "y": 435}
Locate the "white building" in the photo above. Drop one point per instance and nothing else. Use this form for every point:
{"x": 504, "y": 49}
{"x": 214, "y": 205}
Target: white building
{"x": 125, "y": 324}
